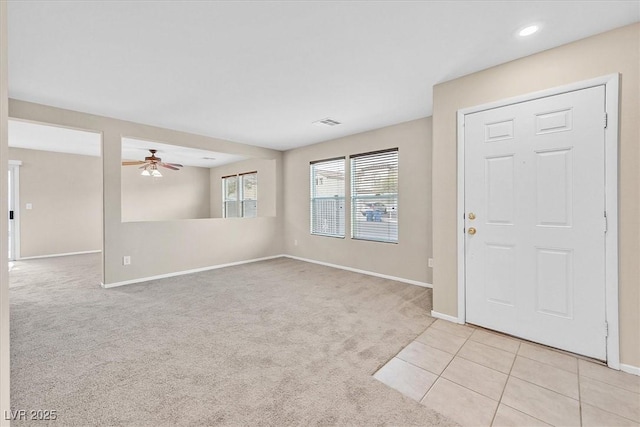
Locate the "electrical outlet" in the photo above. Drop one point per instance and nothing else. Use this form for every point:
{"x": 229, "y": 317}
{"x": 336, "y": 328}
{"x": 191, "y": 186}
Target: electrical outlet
{"x": 295, "y": 242}
{"x": 430, "y": 262}
{"x": 126, "y": 260}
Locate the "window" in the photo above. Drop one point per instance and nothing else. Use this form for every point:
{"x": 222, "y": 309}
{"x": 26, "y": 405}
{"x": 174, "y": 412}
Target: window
{"x": 240, "y": 195}
{"x": 327, "y": 197}
{"x": 230, "y": 196}
{"x": 249, "y": 194}
{"x": 374, "y": 196}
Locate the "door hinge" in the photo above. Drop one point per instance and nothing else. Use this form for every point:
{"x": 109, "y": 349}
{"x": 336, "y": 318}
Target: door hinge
{"x": 606, "y": 329}
{"x": 606, "y": 120}
{"x": 606, "y": 222}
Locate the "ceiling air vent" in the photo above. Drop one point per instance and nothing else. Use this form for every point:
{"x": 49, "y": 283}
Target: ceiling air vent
{"x": 327, "y": 122}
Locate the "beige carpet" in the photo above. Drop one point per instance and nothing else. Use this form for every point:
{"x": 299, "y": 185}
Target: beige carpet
{"x": 278, "y": 342}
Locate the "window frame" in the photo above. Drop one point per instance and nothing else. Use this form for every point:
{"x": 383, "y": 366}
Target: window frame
{"x": 239, "y": 195}
{"x": 357, "y": 198}
{"x": 242, "y": 196}
{"x": 341, "y": 199}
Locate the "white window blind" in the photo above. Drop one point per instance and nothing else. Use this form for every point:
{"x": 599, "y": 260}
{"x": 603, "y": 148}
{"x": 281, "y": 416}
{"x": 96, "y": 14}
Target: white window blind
{"x": 327, "y": 197}
{"x": 374, "y": 196}
{"x": 240, "y": 195}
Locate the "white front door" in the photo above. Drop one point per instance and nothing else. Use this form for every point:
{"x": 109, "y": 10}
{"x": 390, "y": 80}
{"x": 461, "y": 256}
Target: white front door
{"x": 535, "y": 183}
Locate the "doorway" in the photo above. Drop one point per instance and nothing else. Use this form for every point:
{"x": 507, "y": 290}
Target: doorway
{"x": 537, "y": 202}
{"x": 58, "y": 208}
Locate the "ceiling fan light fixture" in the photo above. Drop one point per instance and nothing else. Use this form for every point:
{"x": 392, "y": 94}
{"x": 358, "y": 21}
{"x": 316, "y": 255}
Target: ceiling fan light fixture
{"x": 150, "y": 165}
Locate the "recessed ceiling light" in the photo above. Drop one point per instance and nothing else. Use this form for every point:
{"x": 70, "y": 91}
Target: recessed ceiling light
{"x": 208, "y": 158}
{"x": 527, "y": 31}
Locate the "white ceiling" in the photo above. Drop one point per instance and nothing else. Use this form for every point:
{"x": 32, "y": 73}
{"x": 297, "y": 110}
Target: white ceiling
{"x": 262, "y": 72}
{"x": 36, "y": 136}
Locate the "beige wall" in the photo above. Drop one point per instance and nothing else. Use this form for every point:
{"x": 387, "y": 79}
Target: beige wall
{"x": 183, "y": 194}
{"x": 65, "y": 191}
{"x": 267, "y": 184}
{"x": 612, "y": 52}
{"x": 4, "y": 226}
{"x": 177, "y": 245}
{"x": 408, "y": 258}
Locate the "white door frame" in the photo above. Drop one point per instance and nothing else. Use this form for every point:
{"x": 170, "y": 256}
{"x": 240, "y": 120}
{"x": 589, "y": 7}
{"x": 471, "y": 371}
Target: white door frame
{"x": 15, "y": 166}
{"x": 611, "y": 83}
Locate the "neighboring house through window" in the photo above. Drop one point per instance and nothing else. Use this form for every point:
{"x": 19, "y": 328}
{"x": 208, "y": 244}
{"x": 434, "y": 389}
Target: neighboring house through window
{"x": 327, "y": 197}
{"x": 240, "y": 195}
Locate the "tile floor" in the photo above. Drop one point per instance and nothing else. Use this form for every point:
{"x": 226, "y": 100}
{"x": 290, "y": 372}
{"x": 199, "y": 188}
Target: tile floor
{"x": 480, "y": 378}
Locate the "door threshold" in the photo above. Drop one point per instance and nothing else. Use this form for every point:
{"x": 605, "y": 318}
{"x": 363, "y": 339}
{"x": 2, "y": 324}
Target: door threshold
{"x": 548, "y": 347}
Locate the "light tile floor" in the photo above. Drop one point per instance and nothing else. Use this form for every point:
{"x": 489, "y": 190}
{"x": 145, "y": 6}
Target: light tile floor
{"x": 481, "y": 378}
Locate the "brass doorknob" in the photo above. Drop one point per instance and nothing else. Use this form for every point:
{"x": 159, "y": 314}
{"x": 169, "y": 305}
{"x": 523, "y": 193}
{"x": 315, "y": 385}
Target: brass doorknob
{"x": 472, "y": 231}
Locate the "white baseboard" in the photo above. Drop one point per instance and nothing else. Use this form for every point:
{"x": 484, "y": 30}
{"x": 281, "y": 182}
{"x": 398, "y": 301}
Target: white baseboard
{"x": 369, "y": 273}
{"x": 213, "y": 267}
{"x": 635, "y": 370}
{"x": 445, "y": 317}
{"x": 183, "y": 272}
{"x": 57, "y": 255}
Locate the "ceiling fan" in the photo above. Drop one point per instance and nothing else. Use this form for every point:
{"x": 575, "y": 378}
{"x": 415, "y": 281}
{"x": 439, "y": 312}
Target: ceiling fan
{"x": 150, "y": 165}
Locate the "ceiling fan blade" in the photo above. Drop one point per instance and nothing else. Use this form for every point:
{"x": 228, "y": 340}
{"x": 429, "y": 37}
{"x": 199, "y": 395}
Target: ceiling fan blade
{"x": 178, "y": 165}
{"x": 137, "y": 162}
{"x": 168, "y": 166}
{"x": 144, "y": 166}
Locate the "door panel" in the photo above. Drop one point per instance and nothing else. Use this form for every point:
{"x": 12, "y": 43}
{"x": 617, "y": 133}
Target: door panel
{"x": 500, "y": 274}
{"x": 500, "y": 198}
{"x": 554, "y": 282}
{"x": 554, "y": 188}
{"x": 534, "y": 179}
